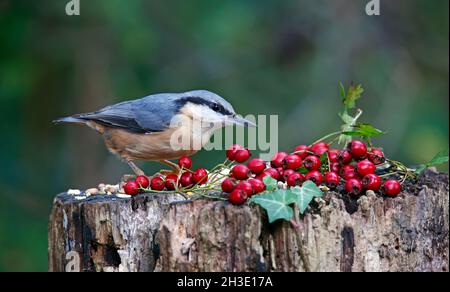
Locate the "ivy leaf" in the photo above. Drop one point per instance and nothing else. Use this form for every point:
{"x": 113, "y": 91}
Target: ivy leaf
{"x": 439, "y": 158}
{"x": 270, "y": 182}
{"x": 353, "y": 94}
{"x": 276, "y": 204}
{"x": 305, "y": 194}
{"x": 364, "y": 130}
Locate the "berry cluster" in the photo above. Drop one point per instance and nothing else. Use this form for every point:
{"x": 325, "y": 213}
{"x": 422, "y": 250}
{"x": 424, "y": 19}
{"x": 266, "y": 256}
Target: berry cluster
{"x": 186, "y": 179}
{"x": 354, "y": 168}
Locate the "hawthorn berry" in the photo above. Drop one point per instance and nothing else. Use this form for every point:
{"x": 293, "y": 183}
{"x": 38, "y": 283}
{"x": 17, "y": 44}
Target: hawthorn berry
{"x": 256, "y": 165}
{"x": 335, "y": 167}
{"x": 353, "y": 186}
{"x": 302, "y": 151}
{"x": 229, "y": 184}
{"x": 391, "y": 188}
{"x": 131, "y": 188}
{"x": 142, "y": 181}
{"x": 240, "y": 172}
{"x": 376, "y": 155}
{"x": 358, "y": 149}
{"x": 333, "y": 155}
{"x": 287, "y": 173}
{"x": 319, "y": 148}
{"x": 231, "y": 152}
{"x": 371, "y": 182}
{"x": 332, "y": 180}
{"x": 365, "y": 167}
{"x": 257, "y": 185}
{"x": 345, "y": 157}
{"x": 242, "y": 155}
{"x": 272, "y": 172}
{"x": 280, "y": 173}
{"x": 200, "y": 176}
{"x": 292, "y": 161}
{"x": 314, "y": 176}
{"x": 171, "y": 181}
{"x": 186, "y": 179}
{"x": 246, "y": 187}
{"x": 277, "y": 159}
{"x": 237, "y": 197}
{"x": 348, "y": 172}
{"x": 157, "y": 183}
{"x": 185, "y": 162}
{"x": 312, "y": 162}
{"x": 295, "y": 179}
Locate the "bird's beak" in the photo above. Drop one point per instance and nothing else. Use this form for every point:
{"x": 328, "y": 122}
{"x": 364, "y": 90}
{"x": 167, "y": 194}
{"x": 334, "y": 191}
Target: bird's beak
{"x": 242, "y": 122}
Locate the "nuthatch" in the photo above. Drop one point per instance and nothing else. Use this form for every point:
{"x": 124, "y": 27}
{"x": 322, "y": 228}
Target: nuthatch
{"x": 143, "y": 129}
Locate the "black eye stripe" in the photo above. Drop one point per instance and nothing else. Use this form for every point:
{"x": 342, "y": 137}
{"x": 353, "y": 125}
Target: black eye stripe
{"x": 212, "y": 105}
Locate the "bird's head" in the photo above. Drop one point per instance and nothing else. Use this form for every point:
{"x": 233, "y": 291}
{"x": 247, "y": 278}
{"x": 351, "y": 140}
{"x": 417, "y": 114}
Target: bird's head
{"x": 210, "y": 108}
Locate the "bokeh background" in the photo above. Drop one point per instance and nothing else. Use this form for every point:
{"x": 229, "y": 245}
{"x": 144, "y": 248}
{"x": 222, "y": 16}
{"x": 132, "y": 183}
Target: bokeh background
{"x": 265, "y": 57}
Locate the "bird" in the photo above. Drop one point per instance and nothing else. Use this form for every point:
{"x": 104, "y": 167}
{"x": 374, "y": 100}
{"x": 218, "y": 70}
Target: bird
{"x": 160, "y": 127}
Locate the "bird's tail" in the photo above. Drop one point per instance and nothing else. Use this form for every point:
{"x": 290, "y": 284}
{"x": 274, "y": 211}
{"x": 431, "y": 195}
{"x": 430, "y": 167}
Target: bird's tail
{"x": 72, "y": 119}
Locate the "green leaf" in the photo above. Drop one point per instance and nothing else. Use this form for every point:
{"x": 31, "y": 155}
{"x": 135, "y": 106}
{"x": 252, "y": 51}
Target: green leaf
{"x": 305, "y": 194}
{"x": 364, "y": 130}
{"x": 303, "y": 170}
{"x": 353, "y": 94}
{"x": 440, "y": 158}
{"x": 270, "y": 182}
{"x": 276, "y": 204}
{"x": 342, "y": 90}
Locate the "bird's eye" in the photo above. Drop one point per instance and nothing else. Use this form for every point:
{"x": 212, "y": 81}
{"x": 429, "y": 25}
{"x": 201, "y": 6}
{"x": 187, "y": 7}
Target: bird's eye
{"x": 215, "y": 107}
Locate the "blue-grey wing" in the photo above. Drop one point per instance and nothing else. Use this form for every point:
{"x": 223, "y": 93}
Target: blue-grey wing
{"x": 149, "y": 114}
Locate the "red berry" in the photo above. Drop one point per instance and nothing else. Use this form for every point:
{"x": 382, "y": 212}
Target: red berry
{"x": 277, "y": 159}
{"x": 200, "y": 176}
{"x": 315, "y": 176}
{"x": 371, "y": 182}
{"x": 246, "y": 187}
{"x": 237, "y": 197}
{"x": 353, "y": 186}
{"x": 242, "y": 155}
{"x": 333, "y": 155}
{"x": 345, "y": 157}
{"x": 272, "y": 172}
{"x": 319, "y": 148}
{"x": 365, "y": 167}
{"x": 229, "y": 184}
{"x": 171, "y": 181}
{"x": 142, "y": 181}
{"x": 131, "y": 188}
{"x": 287, "y": 173}
{"x": 391, "y": 188}
{"x": 312, "y": 162}
{"x": 257, "y": 185}
{"x": 348, "y": 172}
{"x": 231, "y": 152}
{"x": 332, "y": 180}
{"x": 376, "y": 155}
{"x": 335, "y": 167}
{"x": 186, "y": 179}
{"x": 157, "y": 183}
{"x": 256, "y": 165}
{"x": 240, "y": 172}
{"x": 292, "y": 161}
{"x": 358, "y": 149}
{"x": 185, "y": 162}
{"x": 280, "y": 173}
{"x": 295, "y": 179}
{"x": 302, "y": 151}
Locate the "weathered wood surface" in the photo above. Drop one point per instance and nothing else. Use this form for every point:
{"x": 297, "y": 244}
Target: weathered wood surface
{"x": 150, "y": 233}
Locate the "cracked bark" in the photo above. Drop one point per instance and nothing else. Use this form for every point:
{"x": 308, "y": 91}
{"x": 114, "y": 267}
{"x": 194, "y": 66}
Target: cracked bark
{"x": 149, "y": 233}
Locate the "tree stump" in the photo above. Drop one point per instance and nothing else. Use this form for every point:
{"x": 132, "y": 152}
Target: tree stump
{"x": 157, "y": 232}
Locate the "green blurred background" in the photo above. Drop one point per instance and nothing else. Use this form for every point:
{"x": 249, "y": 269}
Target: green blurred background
{"x": 265, "y": 57}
